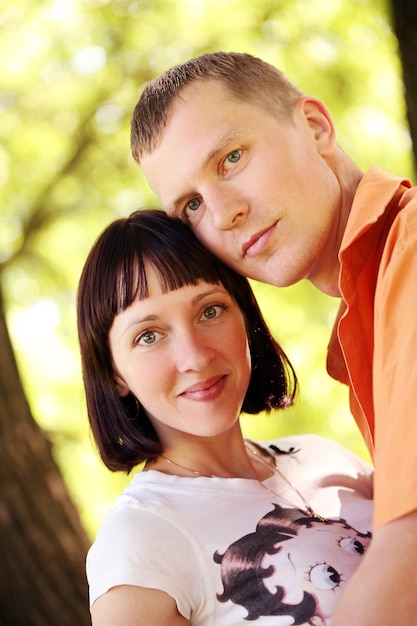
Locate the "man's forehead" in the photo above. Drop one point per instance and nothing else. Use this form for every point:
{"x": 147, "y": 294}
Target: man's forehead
{"x": 188, "y": 144}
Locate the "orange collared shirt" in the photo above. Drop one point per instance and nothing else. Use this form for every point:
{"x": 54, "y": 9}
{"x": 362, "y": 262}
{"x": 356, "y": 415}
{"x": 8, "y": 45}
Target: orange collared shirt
{"x": 373, "y": 347}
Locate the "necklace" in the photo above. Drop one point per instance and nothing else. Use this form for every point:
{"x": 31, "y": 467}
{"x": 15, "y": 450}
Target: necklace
{"x": 187, "y": 469}
{"x": 307, "y": 510}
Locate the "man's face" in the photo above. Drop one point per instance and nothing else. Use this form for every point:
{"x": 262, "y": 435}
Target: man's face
{"x": 258, "y": 190}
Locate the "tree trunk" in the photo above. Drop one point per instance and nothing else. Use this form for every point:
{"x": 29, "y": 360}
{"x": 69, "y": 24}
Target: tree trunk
{"x": 404, "y": 15}
{"x": 42, "y": 542}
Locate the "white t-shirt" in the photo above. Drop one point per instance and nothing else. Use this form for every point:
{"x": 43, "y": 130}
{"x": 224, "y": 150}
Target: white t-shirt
{"x": 227, "y": 549}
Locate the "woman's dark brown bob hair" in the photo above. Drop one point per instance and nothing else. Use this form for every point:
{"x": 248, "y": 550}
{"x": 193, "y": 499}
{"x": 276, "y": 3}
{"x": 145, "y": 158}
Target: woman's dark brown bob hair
{"x": 113, "y": 277}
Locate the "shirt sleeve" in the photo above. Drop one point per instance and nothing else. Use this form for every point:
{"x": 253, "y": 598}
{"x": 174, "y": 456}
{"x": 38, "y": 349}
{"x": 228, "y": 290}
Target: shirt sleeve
{"x": 136, "y": 546}
{"x": 395, "y": 372}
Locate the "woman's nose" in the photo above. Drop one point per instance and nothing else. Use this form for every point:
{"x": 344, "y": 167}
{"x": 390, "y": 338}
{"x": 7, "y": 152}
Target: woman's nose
{"x": 193, "y": 352}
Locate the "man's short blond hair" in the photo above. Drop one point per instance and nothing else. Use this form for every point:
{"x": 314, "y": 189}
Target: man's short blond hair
{"x": 247, "y": 77}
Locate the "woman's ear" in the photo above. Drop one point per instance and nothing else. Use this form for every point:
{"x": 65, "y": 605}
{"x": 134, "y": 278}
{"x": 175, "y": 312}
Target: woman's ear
{"x": 319, "y": 121}
{"x": 121, "y": 385}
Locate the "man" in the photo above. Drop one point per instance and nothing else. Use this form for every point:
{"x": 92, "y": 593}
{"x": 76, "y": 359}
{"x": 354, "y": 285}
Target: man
{"x": 236, "y": 150}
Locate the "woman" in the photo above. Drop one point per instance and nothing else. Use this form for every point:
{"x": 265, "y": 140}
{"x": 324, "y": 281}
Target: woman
{"x": 173, "y": 348}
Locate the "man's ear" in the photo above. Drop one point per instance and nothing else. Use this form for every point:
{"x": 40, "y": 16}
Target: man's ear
{"x": 121, "y": 385}
{"x": 320, "y": 122}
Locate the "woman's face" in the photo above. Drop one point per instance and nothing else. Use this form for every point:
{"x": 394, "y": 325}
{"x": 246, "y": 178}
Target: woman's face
{"x": 184, "y": 354}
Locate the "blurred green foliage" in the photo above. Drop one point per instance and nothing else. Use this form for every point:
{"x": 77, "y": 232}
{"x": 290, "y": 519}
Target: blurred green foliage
{"x": 71, "y": 72}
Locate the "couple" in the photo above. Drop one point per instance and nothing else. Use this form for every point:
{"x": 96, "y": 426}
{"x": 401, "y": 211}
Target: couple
{"x": 252, "y": 165}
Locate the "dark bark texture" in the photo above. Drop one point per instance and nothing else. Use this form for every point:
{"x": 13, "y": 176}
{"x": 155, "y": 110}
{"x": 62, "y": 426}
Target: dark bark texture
{"x": 42, "y": 542}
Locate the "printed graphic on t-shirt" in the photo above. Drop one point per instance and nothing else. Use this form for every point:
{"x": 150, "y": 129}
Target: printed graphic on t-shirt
{"x": 291, "y": 566}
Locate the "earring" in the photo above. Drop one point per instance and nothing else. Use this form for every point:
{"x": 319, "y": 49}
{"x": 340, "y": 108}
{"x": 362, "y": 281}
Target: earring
{"x": 135, "y": 417}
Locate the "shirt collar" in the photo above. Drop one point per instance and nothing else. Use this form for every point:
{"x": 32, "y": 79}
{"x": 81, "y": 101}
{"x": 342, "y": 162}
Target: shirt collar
{"x": 374, "y": 193}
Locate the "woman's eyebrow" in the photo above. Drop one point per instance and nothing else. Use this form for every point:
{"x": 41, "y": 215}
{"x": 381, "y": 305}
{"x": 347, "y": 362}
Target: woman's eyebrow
{"x": 151, "y": 317}
{"x": 216, "y": 290}
{"x": 139, "y": 320}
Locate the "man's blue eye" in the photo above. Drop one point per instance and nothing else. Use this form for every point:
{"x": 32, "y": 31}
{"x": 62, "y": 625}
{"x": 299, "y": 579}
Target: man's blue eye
{"x": 193, "y": 204}
{"x": 234, "y": 156}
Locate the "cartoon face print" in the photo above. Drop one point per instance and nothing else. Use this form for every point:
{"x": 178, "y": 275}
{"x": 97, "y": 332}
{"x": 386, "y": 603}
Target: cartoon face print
{"x": 291, "y": 566}
{"x": 319, "y": 560}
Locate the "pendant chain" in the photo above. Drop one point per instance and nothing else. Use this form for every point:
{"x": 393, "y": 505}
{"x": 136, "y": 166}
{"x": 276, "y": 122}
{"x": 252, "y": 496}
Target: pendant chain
{"x": 187, "y": 469}
{"x": 308, "y": 509}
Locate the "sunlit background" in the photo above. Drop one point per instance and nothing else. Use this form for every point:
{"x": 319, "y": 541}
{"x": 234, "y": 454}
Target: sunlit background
{"x": 70, "y": 74}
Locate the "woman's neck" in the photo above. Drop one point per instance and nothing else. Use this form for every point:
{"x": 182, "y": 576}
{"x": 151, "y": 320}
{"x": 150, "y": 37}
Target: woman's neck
{"x": 221, "y": 459}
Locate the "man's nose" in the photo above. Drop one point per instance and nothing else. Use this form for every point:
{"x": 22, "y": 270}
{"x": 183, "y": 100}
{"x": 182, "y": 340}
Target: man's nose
{"x": 227, "y": 208}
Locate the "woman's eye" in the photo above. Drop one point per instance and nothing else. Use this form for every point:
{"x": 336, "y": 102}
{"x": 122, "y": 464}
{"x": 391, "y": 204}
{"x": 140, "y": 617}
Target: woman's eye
{"x": 212, "y": 311}
{"x": 147, "y": 338}
{"x": 232, "y": 159}
{"x": 192, "y": 205}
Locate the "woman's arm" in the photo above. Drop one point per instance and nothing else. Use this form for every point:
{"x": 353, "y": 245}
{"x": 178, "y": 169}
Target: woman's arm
{"x": 128, "y": 605}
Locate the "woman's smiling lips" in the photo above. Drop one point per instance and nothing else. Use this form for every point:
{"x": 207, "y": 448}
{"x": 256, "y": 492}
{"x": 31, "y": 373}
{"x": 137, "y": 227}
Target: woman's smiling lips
{"x": 206, "y": 390}
{"x": 256, "y": 243}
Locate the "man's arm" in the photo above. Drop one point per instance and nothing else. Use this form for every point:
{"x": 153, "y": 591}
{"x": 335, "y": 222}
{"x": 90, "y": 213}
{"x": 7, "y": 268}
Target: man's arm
{"x": 128, "y": 605}
{"x": 383, "y": 590}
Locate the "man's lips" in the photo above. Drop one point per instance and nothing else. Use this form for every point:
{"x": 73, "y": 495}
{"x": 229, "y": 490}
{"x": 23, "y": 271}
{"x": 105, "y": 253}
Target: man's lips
{"x": 253, "y": 246}
{"x": 206, "y": 389}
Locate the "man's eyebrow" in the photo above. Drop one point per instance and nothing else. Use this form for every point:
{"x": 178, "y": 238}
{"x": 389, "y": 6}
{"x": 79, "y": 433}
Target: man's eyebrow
{"x": 218, "y": 146}
{"x": 220, "y": 143}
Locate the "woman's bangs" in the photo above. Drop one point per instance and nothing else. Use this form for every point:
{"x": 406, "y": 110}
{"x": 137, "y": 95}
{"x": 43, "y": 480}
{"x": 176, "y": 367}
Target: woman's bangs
{"x": 131, "y": 281}
{"x": 173, "y": 272}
